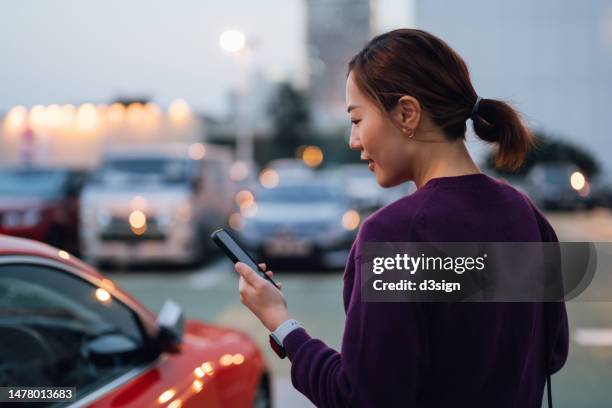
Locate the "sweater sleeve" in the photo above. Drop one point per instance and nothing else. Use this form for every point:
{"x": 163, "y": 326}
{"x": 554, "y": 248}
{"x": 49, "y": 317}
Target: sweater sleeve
{"x": 383, "y": 347}
{"x": 556, "y": 314}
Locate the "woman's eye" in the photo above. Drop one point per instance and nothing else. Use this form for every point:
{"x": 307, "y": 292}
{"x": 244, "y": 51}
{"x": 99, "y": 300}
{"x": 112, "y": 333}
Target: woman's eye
{"x": 354, "y": 122}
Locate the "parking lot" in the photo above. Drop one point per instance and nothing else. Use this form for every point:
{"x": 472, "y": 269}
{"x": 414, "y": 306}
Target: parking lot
{"x": 315, "y": 298}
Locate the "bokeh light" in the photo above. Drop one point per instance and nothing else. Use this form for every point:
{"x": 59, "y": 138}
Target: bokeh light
{"x": 268, "y": 178}
{"x": 312, "y": 156}
{"x": 244, "y": 199}
{"x": 232, "y": 40}
{"x": 197, "y": 151}
{"x": 577, "y": 180}
{"x": 86, "y": 117}
{"x": 350, "y": 220}
{"x": 102, "y": 295}
{"x": 179, "y": 111}
{"x": 16, "y": 119}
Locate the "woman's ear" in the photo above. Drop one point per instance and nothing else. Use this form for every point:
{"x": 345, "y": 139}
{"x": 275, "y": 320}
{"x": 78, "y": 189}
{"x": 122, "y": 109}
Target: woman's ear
{"x": 407, "y": 112}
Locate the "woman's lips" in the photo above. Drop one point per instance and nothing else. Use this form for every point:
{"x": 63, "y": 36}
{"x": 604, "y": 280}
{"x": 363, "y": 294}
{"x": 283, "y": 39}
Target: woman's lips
{"x": 371, "y": 165}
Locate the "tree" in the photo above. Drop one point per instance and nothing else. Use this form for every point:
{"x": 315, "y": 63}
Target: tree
{"x": 290, "y": 116}
{"x": 548, "y": 150}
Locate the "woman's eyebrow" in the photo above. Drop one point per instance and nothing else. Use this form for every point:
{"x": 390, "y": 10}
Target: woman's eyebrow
{"x": 351, "y": 107}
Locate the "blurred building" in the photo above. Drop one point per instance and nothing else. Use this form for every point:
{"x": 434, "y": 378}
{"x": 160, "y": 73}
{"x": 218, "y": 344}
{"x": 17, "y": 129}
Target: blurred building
{"x": 336, "y": 30}
{"x": 77, "y": 136}
{"x": 552, "y": 59}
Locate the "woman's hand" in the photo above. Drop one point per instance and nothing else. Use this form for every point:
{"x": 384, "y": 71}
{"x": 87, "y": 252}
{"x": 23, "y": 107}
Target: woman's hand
{"x": 261, "y": 297}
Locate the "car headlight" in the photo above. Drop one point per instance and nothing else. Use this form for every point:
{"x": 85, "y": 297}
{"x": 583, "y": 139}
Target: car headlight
{"x": 15, "y": 219}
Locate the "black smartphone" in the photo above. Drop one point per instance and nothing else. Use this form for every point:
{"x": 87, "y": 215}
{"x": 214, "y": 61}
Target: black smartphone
{"x": 231, "y": 248}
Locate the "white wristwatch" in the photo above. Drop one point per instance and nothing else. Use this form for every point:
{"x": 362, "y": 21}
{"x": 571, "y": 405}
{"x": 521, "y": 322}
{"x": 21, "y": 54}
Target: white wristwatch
{"x": 278, "y": 335}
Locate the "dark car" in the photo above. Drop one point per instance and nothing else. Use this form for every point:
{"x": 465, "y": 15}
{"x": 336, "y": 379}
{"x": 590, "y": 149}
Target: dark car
{"x": 42, "y": 204}
{"x": 301, "y": 222}
{"x": 557, "y": 186}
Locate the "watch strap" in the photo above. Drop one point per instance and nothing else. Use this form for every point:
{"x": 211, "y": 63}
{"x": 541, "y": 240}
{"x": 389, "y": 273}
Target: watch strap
{"x": 285, "y": 328}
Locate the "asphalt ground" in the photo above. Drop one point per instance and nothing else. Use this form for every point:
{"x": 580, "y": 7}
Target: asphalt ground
{"x": 210, "y": 293}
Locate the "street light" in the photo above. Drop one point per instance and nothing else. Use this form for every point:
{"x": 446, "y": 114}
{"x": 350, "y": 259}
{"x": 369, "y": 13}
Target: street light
{"x": 232, "y": 40}
{"x": 235, "y": 42}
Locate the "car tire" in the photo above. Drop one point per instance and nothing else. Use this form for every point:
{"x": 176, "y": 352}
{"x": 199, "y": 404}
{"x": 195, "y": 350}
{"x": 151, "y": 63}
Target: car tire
{"x": 263, "y": 396}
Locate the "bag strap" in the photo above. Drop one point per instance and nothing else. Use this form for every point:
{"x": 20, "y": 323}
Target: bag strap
{"x": 549, "y": 391}
{"x": 547, "y": 356}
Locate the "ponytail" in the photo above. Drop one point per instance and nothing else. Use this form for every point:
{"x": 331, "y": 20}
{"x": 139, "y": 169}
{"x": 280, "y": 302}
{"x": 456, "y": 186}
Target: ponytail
{"x": 498, "y": 122}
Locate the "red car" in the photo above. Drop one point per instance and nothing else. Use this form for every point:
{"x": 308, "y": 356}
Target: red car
{"x": 41, "y": 203}
{"x": 62, "y": 324}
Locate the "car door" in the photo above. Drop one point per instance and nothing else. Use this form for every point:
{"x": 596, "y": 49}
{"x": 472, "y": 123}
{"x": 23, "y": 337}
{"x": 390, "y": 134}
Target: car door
{"x": 59, "y": 330}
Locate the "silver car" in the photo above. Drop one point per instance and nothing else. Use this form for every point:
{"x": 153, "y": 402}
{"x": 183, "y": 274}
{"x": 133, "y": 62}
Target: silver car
{"x": 155, "y": 205}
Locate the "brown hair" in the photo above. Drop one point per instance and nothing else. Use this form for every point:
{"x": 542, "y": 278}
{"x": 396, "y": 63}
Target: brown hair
{"x": 414, "y": 62}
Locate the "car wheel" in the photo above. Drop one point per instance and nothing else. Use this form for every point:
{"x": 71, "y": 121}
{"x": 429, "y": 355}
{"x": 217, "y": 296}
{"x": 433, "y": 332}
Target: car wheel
{"x": 263, "y": 397}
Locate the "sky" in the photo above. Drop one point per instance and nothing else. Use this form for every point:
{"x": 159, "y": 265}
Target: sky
{"x": 69, "y": 51}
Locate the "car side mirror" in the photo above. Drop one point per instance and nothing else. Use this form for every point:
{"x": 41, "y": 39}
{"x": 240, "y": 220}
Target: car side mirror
{"x": 171, "y": 323}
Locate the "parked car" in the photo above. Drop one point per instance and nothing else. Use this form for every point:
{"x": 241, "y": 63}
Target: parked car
{"x": 557, "y": 186}
{"x": 361, "y": 185}
{"x": 364, "y": 191}
{"x": 42, "y": 203}
{"x": 156, "y": 204}
{"x": 63, "y": 324}
{"x": 300, "y": 222}
{"x": 600, "y": 191}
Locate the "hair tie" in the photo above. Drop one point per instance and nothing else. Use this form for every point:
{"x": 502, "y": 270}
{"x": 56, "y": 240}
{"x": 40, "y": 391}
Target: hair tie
{"x": 475, "y": 107}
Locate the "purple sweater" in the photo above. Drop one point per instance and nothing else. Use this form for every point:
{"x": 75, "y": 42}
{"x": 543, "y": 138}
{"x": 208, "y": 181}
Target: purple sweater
{"x": 438, "y": 354}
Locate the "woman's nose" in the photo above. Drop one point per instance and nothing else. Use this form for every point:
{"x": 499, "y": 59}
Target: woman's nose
{"x": 354, "y": 142}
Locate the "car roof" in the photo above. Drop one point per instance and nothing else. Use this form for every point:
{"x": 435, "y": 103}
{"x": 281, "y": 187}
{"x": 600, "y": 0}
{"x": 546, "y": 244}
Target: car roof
{"x": 294, "y": 182}
{"x": 21, "y": 246}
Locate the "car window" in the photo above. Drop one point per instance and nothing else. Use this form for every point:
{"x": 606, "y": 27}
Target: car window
{"x": 118, "y": 171}
{"x": 42, "y": 183}
{"x": 301, "y": 193}
{"x": 59, "y": 330}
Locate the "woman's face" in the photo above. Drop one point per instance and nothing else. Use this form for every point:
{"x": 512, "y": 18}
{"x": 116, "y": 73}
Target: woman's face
{"x": 380, "y": 141}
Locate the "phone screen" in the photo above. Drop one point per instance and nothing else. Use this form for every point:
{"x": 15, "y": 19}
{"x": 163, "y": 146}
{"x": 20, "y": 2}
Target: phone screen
{"x": 236, "y": 253}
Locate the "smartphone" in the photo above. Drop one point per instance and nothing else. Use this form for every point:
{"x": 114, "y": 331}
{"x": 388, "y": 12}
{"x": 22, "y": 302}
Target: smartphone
{"x": 231, "y": 248}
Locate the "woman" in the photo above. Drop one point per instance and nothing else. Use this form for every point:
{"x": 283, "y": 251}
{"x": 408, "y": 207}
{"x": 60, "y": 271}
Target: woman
{"x": 409, "y": 96}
